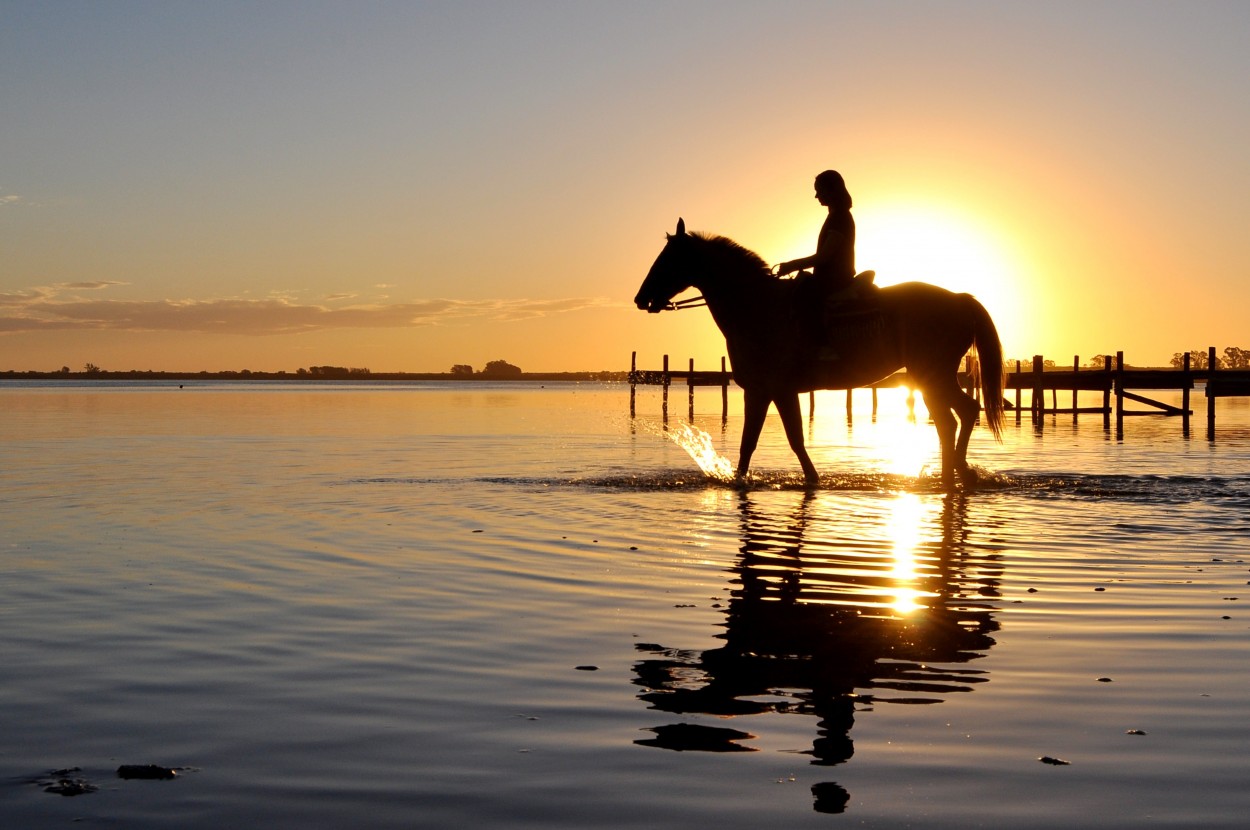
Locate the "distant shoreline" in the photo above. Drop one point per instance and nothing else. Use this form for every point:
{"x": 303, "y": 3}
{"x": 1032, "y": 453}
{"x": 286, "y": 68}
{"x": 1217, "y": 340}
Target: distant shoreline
{"x": 306, "y": 377}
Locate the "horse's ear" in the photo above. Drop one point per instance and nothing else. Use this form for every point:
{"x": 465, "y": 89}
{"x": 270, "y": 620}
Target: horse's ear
{"x": 681, "y": 227}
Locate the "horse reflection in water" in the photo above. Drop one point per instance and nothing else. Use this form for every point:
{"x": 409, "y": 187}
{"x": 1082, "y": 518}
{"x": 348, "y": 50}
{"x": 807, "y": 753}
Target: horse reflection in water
{"x": 830, "y": 628}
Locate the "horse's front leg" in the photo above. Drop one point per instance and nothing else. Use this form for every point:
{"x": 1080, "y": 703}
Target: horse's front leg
{"x": 792, "y": 419}
{"x": 755, "y": 410}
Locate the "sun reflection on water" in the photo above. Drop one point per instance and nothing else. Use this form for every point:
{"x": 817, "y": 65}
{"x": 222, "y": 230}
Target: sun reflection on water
{"x": 908, "y": 514}
{"x": 910, "y": 446}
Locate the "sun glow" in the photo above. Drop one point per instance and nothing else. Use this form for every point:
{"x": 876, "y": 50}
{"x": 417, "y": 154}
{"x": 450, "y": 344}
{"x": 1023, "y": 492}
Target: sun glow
{"x": 939, "y": 245}
{"x": 910, "y": 446}
{"x": 923, "y": 238}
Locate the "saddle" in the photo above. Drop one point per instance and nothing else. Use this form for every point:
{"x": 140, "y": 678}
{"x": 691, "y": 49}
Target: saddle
{"x": 848, "y": 320}
{"x": 856, "y": 297}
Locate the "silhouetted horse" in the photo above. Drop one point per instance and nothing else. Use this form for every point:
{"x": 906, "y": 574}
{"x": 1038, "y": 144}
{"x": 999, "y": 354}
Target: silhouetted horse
{"x": 775, "y": 332}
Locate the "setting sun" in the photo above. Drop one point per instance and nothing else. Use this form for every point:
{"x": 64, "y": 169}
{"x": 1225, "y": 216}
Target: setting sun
{"x": 906, "y": 239}
{"x": 941, "y": 245}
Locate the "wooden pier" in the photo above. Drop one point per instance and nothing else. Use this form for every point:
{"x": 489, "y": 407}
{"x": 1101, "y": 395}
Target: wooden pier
{"x": 665, "y": 377}
{"x": 1121, "y": 388}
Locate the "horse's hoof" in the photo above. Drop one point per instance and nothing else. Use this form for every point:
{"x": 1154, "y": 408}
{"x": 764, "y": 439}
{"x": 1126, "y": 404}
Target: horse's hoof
{"x": 969, "y": 477}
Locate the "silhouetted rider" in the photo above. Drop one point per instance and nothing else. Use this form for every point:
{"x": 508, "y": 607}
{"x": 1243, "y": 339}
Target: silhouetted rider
{"x": 833, "y": 264}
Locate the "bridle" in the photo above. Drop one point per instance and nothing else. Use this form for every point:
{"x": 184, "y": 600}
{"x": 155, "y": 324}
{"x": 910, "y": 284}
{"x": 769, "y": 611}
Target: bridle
{"x": 700, "y": 301}
{"x": 689, "y": 302}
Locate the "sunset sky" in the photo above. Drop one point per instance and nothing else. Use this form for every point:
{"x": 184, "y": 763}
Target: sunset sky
{"x": 405, "y": 185}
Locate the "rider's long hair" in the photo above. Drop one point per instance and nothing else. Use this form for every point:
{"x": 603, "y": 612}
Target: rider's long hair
{"x": 831, "y": 181}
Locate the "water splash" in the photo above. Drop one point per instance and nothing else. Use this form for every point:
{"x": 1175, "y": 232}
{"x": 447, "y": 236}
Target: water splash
{"x": 698, "y": 444}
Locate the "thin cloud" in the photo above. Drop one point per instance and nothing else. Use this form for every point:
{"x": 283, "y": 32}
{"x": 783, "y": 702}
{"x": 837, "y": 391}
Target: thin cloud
{"x": 89, "y": 286}
{"x": 40, "y": 310}
{"x": 23, "y": 298}
{"x": 525, "y": 309}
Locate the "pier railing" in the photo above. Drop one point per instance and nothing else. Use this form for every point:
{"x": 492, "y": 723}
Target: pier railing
{"x": 1120, "y": 385}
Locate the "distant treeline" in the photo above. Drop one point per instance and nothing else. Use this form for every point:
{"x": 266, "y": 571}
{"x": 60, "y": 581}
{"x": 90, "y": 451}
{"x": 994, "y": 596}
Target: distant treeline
{"x": 494, "y": 370}
{"x": 1234, "y": 357}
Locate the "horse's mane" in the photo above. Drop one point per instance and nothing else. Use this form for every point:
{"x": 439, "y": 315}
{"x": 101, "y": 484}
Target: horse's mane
{"x": 725, "y": 245}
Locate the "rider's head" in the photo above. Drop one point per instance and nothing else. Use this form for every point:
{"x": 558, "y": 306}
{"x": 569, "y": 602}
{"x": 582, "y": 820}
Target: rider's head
{"x": 831, "y": 190}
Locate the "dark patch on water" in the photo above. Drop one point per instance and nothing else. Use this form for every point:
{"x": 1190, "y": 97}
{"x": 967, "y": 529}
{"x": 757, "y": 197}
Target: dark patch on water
{"x": 690, "y": 737}
{"x": 830, "y": 798}
{"x": 146, "y": 772}
{"x": 65, "y": 782}
{"x": 1054, "y": 762}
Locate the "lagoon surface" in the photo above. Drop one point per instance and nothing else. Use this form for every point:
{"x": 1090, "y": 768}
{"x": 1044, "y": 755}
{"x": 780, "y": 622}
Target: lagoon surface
{"x": 510, "y": 605}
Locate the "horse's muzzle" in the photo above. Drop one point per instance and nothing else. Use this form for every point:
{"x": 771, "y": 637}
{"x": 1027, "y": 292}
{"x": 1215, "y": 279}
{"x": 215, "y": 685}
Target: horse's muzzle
{"x": 649, "y": 306}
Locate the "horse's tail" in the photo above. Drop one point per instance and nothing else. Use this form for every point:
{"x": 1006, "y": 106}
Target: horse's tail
{"x": 989, "y": 366}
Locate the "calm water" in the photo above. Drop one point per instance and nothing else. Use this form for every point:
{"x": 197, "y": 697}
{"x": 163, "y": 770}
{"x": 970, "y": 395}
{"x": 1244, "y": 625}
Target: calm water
{"x": 422, "y": 606}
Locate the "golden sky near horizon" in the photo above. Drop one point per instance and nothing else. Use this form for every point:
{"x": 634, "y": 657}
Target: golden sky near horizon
{"x": 403, "y": 187}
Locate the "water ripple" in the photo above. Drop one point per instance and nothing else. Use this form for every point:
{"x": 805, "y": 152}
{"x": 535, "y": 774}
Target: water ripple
{"x": 1232, "y": 491}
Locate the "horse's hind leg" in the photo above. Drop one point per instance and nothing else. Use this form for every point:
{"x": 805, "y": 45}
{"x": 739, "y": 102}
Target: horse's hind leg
{"x": 945, "y": 400}
{"x": 792, "y": 419}
{"x": 967, "y": 408}
{"x": 755, "y": 410}
{"x": 944, "y": 422}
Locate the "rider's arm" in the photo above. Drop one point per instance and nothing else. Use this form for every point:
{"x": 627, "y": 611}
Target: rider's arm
{"x": 830, "y": 241}
{"x": 796, "y": 265}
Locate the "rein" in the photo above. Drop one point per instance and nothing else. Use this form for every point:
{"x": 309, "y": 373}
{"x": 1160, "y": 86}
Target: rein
{"x": 700, "y": 301}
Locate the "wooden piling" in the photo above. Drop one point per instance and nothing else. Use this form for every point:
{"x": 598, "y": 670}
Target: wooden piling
{"x": 1119, "y": 394}
{"x": 1186, "y": 382}
{"x": 633, "y": 383}
{"x": 1076, "y": 367}
{"x": 1106, "y": 392}
{"x": 1019, "y": 387}
{"x": 665, "y": 382}
{"x": 1211, "y": 384}
{"x": 1039, "y": 389}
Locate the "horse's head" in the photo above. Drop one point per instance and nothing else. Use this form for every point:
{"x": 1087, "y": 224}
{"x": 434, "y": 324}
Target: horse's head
{"x": 669, "y": 274}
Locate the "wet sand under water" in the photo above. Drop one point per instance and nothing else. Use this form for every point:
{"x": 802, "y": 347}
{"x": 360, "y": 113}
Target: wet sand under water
{"x": 509, "y": 606}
